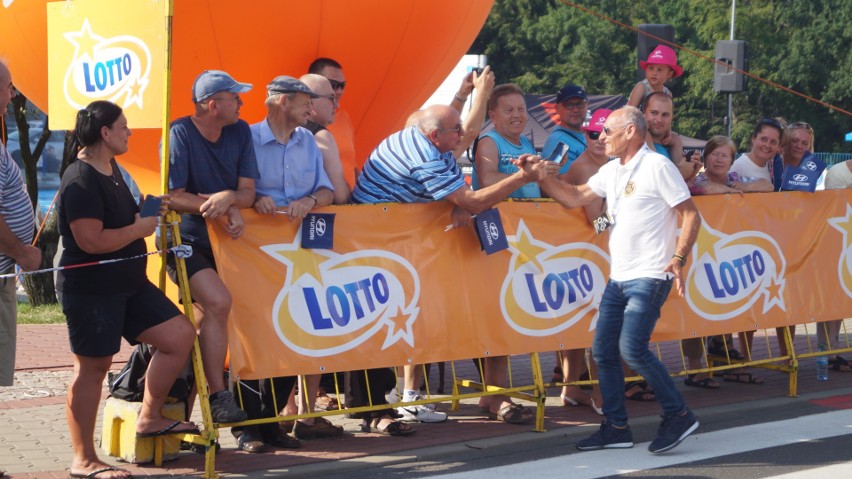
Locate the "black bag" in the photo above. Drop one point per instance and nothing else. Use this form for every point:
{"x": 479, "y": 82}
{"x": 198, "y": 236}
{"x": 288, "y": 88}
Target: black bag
{"x": 129, "y": 383}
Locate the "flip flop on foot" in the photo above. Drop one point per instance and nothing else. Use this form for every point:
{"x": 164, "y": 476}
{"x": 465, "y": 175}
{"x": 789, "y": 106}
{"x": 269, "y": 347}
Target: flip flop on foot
{"x": 100, "y": 473}
{"x": 393, "y": 427}
{"x": 744, "y": 378}
{"x": 706, "y": 383}
{"x": 512, "y": 414}
{"x": 171, "y": 429}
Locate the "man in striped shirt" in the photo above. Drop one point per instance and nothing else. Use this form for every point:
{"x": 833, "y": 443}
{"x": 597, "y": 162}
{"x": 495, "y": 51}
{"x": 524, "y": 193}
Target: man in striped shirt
{"x": 16, "y": 232}
{"x": 416, "y": 165}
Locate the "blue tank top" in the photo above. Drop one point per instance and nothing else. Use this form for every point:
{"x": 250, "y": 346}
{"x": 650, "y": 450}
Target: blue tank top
{"x": 508, "y": 151}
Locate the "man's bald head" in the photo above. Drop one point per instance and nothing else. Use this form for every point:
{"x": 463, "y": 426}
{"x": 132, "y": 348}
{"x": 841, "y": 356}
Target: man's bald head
{"x": 441, "y": 124}
{"x": 325, "y": 105}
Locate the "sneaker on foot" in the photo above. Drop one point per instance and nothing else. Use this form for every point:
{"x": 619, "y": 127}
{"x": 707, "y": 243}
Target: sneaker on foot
{"x": 420, "y": 397}
{"x": 607, "y": 437}
{"x": 392, "y": 396}
{"x": 673, "y": 430}
{"x": 421, "y": 413}
{"x": 224, "y": 409}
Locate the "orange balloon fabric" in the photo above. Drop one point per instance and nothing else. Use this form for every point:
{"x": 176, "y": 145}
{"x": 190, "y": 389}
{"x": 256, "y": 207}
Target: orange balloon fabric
{"x": 394, "y": 53}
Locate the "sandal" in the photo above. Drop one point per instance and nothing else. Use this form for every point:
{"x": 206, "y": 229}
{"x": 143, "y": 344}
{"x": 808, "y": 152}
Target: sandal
{"x": 717, "y": 348}
{"x": 839, "y": 364}
{"x": 642, "y": 395}
{"x": 326, "y": 403}
{"x": 744, "y": 378}
{"x": 393, "y": 428}
{"x": 706, "y": 383}
{"x": 512, "y": 414}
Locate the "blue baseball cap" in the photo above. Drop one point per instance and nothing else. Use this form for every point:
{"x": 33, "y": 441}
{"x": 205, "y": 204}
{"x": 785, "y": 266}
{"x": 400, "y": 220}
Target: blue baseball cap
{"x": 570, "y": 91}
{"x": 211, "y": 82}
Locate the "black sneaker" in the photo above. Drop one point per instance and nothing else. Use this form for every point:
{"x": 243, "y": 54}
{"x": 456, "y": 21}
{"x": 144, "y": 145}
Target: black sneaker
{"x": 607, "y": 437}
{"x": 673, "y": 430}
{"x": 224, "y": 409}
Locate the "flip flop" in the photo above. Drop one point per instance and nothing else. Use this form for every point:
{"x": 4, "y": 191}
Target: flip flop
{"x": 94, "y": 474}
{"x": 170, "y": 429}
{"x": 706, "y": 383}
{"x": 512, "y": 414}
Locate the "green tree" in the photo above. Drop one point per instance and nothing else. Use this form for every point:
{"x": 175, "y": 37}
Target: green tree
{"x": 804, "y": 46}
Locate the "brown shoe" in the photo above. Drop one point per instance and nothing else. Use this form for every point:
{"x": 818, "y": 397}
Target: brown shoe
{"x": 250, "y": 442}
{"x": 320, "y": 428}
{"x": 286, "y": 427}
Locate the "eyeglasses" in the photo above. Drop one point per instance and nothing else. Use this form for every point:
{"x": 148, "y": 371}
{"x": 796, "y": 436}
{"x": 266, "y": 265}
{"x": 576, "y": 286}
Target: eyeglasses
{"x": 457, "y": 129}
{"x": 593, "y": 135}
{"x": 337, "y": 84}
{"x": 609, "y": 130}
{"x": 331, "y": 97}
{"x": 574, "y": 105}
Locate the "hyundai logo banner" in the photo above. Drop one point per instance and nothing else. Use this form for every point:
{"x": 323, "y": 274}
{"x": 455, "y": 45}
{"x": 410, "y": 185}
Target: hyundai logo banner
{"x": 803, "y": 178}
{"x": 318, "y": 231}
{"x": 489, "y": 230}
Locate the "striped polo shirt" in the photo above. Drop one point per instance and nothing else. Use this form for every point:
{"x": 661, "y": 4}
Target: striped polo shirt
{"x": 407, "y": 168}
{"x": 15, "y": 206}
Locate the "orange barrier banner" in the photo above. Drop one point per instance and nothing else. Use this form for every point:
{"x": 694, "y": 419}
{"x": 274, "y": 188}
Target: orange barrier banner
{"x": 398, "y": 289}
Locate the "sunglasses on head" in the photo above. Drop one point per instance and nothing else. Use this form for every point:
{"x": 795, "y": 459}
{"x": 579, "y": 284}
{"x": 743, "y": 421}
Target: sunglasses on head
{"x": 593, "y": 135}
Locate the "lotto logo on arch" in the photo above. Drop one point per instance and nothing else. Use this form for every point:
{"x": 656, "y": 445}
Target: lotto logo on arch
{"x": 843, "y": 224}
{"x": 331, "y": 303}
{"x": 550, "y": 288}
{"x": 730, "y": 273}
{"x": 106, "y": 51}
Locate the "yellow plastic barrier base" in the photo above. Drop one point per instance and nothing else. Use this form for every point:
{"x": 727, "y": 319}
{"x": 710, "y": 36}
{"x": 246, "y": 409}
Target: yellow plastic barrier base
{"x": 118, "y": 438}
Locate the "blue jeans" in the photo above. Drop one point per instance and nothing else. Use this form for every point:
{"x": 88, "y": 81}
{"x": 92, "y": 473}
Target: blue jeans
{"x": 628, "y": 313}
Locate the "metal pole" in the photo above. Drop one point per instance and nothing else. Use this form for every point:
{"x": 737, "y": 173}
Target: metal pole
{"x": 730, "y": 95}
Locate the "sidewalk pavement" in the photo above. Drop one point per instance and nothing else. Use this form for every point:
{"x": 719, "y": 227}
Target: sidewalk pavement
{"x": 34, "y": 441}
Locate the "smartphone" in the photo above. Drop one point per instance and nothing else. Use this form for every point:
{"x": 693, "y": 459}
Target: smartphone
{"x": 687, "y": 154}
{"x": 478, "y": 70}
{"x": 560, "y": 151}
{"x": 151, "y": 206}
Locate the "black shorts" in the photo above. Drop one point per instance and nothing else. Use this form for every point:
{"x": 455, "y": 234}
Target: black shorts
{"x": 97, "y": 322}
{"x": 202, "y": 258}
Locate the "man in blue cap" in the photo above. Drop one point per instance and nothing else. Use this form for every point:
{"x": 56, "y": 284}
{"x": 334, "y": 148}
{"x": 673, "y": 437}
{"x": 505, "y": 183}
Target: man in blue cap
{"x": 572, "y": 106}
{"x": 212, "y": 174}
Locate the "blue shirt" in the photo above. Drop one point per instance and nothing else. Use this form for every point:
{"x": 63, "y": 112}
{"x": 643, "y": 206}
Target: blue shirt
{"x": 507, "y": 152}
{"x": 290, "y": 171}
{"x": 15, "y": 206}
{"x": 663, "y": 150}
{"x": 201, "y": 166}
{"x": 407, "y": 168}
{"x": 576, "y": 145}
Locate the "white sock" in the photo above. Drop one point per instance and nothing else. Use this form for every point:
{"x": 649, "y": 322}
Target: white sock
{"x": 410, "y": 394}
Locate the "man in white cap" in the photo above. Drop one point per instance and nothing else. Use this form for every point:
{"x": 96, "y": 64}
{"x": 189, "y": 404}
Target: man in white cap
{"x": 212, "y": 174}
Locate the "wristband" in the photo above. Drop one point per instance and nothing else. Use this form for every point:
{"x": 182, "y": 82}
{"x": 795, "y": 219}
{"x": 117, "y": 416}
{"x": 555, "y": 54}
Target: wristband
{"x": 681, "y": 259}
{"x": 459, "y": 99}
{"x": 313, "y": 197}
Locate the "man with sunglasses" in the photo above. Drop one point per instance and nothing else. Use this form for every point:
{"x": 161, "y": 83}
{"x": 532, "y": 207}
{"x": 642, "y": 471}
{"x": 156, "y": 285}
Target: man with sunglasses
{"x": 342, "y": 129}
{"x": 416, "y": 165}
{"x": 325, "y": 105}
{"x": 645, "y": 193}
{"x": 572, "y": 106}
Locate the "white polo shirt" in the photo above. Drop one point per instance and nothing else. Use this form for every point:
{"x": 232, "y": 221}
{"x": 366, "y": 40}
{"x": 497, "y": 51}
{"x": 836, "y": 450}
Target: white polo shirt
{"x": 641, "y": 196}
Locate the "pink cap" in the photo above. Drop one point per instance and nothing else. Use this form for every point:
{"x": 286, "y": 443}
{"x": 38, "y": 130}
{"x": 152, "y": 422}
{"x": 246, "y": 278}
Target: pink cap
{"x": 598, "y": 119}
{"x": 663, "y": 55}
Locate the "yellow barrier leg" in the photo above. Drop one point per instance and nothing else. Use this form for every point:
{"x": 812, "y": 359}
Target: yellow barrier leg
{"x": 540, "y": 392}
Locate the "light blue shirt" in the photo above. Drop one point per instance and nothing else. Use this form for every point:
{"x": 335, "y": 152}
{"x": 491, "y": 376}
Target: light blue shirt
{"x": 663, "y": 150}
{"x": 508, "y": 151}
{"x": 291, "y": 171}
{"x": 576, "y": 145}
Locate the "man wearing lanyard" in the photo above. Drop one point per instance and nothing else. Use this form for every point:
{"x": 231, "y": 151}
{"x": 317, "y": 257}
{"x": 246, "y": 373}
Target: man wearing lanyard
{"x": 645, "y": 193}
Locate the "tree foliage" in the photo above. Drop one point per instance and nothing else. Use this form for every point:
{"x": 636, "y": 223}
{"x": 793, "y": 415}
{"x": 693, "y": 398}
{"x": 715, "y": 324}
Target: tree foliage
{"x": 795, "y": 44}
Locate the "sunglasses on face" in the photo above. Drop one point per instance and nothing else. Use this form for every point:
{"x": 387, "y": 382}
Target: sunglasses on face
{"x": 593, "y": 135}
{"x": 337, "y": 84}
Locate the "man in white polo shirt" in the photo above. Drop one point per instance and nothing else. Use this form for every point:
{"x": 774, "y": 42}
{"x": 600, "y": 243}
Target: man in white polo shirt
{"x": 645, "y": 193}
